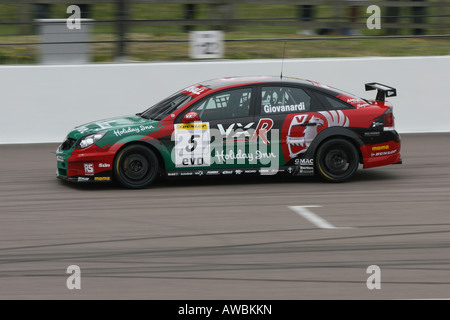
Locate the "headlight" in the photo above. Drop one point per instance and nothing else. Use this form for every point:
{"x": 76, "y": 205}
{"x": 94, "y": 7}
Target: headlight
{"x": 90, "y": 139}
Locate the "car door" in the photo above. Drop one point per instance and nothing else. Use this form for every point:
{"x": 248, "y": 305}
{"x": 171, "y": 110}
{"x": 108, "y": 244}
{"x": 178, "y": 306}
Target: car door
{"x": 291, "y": 109}
{"x": 221, "y": 135}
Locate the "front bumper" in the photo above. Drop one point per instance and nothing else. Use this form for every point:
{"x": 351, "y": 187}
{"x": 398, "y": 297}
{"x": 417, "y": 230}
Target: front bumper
{"x": 92, "y": 164}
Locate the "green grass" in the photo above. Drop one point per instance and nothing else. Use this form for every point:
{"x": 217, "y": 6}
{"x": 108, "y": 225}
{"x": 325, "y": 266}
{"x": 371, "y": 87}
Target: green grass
{"x": 105, "y": 52}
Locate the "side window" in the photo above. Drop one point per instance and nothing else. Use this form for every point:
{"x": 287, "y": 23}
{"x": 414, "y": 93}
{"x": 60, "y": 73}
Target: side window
{"x": 332, "y": 103}
{"x": 234, "y": 103}
{"x": 281, "y": 100}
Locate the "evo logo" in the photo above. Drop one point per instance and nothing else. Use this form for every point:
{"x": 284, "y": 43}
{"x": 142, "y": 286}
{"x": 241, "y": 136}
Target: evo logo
{"x": 193, "y": 161}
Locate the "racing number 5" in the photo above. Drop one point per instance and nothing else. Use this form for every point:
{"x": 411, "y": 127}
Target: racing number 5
{"x": 193, "y": 143}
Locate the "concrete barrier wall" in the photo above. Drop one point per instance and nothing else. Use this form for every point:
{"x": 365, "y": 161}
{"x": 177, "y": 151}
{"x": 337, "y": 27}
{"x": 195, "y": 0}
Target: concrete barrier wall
{"x": 43, "y": 103}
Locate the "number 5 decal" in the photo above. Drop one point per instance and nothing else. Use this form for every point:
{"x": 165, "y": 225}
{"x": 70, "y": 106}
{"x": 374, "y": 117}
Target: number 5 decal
{"x": 192, "y": 145}
{"x": 193, "y": 142}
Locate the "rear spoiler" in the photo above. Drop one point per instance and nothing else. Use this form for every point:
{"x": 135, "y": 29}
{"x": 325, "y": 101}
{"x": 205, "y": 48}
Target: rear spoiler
{"x": 383, "y": 90}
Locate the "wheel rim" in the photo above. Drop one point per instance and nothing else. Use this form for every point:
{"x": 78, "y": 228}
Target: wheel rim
{"x": 136, "y": 167}
{"x": 338, "y": 161}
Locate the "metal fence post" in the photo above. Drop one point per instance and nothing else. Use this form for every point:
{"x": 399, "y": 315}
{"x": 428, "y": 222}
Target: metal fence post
{"x": 122, "y": 15}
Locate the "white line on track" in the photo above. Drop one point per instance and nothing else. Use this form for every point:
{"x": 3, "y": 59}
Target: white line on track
{"x": 314, "y": 218}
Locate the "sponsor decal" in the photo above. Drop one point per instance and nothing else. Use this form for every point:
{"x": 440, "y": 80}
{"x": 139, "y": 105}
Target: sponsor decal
{"x": 102, "y": 178}
{"x": 215, "y": 172}
{"x": 290, "y": 170}
{"x": 376, "y": 124}
{"x": 104, "y": 165}
{"x": 250, "y": 171}
{"x": 82, "y": 179}
{"x": 227, "y": 172}
{"x": 199, "y": 173}
{"x": 386, "y": 153}
{"x": 192, "y": 145}
{"x": 186, "y": 173}
{"x": 192, "y": 126}
{"x": 120, "y": 132}
{"x": 244, "y": 78}
{"x": 372, "y": 134}
{"x": 274, "y": 171}
{"x": 264, "y": 125}
{"x": 195, "y": 90}
{"x": 238, "y": 171}
{"x": 378, "y": 148}
{"x": 300, "y": 130}
{"x": 172, "y": 174}
{"x": 60, "y": 158}
{"x": 238, "y": 130}
{"x": 320, "y": 85}
{"x": 288, "y": 108}
{"x": 235, "y": 130}
{"x": 354, "y": 101}
{"x": 102, "y": 125}
{"x": 258, "y": 155}
{"x": 89, "y": 169}
{"x": 304, "y": 161}
{"x": 305, "y": 170}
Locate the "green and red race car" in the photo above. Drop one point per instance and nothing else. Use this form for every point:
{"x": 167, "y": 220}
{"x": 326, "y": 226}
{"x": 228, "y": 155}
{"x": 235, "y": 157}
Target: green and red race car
{"x": 236, "y": 126}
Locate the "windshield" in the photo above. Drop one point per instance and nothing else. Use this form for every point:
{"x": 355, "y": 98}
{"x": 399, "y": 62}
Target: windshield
{"x": 165, "y": 107}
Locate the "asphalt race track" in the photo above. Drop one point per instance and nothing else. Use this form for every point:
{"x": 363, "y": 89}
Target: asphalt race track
{"x": 228, "y": 239}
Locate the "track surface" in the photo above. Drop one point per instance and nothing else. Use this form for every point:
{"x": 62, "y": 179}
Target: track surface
{"x": 231, "y": 239}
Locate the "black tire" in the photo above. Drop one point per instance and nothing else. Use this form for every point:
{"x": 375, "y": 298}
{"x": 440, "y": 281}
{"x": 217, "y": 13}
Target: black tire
{"x": 337, "y": 160}
{"x": 136, "y": 166}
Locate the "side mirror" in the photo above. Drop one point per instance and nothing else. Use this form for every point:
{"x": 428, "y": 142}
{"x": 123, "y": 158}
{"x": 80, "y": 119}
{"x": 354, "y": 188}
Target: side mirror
{"x": 191, "y": 117}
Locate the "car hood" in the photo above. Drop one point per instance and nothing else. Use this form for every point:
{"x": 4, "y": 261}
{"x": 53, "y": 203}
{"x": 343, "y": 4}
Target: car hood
{"x": 118, "y": 126}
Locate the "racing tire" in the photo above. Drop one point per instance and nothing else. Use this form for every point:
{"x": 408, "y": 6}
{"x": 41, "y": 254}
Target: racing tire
{"x": 136, "y": 166}
{"x": 336, "y": 160}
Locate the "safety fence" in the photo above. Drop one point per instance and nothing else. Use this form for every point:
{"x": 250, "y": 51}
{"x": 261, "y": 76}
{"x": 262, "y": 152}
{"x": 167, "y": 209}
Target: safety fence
{"x": 157, "y": 30}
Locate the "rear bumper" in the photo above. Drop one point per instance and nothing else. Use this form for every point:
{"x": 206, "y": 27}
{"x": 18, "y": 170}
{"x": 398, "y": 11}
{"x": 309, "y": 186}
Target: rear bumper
{"x": 383, "y": 160}
{"x": 381, "y": 154}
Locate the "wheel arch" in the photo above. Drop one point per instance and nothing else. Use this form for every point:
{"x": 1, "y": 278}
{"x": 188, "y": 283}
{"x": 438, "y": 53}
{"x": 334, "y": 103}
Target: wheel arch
{"x": 335, "y": 133}
{"x": 159, "y": 156}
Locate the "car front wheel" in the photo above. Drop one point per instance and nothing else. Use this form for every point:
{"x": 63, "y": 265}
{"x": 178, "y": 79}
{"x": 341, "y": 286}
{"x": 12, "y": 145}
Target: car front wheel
{"x": 337, "y": 160}
{"x": 136, "y": 166}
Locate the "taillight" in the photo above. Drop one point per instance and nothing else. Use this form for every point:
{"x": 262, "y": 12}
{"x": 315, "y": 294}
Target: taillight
{"x": 388, "y": 120}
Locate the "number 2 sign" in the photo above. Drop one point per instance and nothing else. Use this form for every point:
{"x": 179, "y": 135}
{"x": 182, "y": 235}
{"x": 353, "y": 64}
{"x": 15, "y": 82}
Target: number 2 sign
{"x": 206, "y": 44}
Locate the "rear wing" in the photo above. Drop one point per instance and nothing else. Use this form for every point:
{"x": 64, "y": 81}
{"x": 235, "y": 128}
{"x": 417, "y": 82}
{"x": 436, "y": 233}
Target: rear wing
{"x": 383, "y": 90}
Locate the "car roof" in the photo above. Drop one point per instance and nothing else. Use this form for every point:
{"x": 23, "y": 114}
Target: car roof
{"x": 243, "y": 80}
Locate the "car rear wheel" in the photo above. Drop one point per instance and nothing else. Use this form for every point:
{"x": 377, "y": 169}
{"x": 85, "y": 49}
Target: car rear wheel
{"x": 337, "y": 160}
{"x": 136, "y": 166}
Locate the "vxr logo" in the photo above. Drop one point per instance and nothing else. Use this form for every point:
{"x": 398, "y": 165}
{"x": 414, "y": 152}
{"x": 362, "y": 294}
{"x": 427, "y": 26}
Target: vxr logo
{"x": 239, "y": 131}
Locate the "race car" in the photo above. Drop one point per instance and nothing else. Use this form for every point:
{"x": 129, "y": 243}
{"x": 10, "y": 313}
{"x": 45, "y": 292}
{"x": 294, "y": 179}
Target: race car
{"x": 263, "y": 125}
